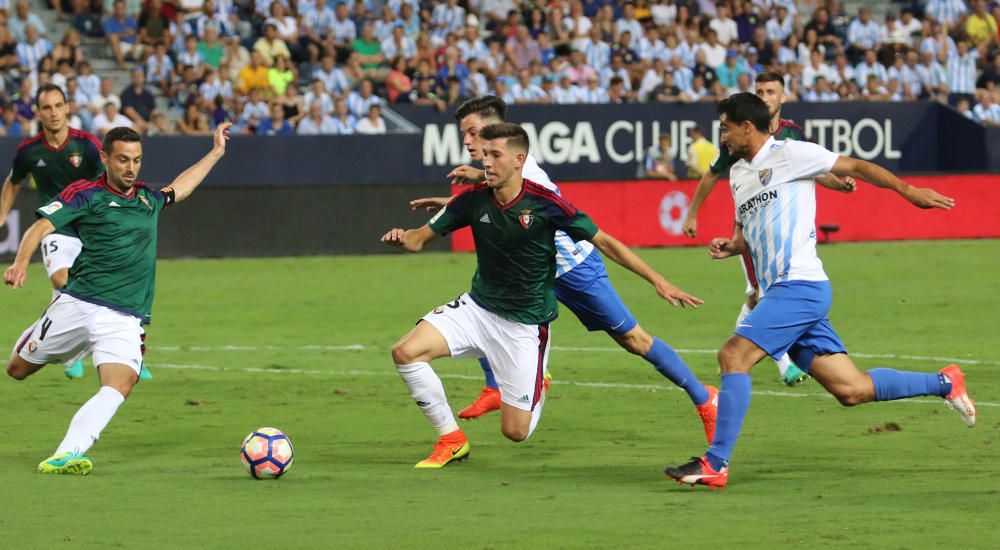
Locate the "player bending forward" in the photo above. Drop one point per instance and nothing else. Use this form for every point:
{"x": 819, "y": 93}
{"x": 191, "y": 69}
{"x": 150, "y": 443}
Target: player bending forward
{"x": 582, "y": 282}
{"x": 110, "y": 290}
{"x": 775, "y": 196}
{"x": 506, "y": 314}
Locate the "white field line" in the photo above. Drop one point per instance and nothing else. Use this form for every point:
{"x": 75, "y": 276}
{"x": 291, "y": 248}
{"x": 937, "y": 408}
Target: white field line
{"x": 583, "y": 384}
{"x": 359, "y": 347}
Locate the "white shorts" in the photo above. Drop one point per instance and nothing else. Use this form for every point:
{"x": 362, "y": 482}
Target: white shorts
{"x": 71, "y": 328}
{"x": 59, "y": 252}
{"x": 753, "y": 288}
{"x": 518, "y": 353}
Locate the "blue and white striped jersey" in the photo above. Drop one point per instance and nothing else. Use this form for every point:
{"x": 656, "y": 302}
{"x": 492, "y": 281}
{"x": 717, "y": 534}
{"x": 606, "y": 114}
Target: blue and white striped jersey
{"x": 775, "y": 197}
{"x": 569, "y": 253}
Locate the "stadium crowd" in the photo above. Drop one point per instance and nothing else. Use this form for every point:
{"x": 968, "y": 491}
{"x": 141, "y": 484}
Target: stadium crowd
{"x": 302, "y": 66}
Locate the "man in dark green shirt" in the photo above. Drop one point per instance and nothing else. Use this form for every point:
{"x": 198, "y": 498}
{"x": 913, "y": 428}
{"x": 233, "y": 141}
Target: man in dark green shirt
{"x": 110, "y": 291}
{"x": 505, "y": 316}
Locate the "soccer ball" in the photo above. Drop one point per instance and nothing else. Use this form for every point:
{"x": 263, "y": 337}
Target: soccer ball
{"x": 267, "y": 453}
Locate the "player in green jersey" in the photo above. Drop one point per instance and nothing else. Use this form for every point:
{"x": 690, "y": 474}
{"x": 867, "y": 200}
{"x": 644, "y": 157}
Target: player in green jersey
{"x": 506, "y": 314}
{"x": 110, "y": 290}
{"x": 770, "y": 86}
{"x": 56, "y": 157}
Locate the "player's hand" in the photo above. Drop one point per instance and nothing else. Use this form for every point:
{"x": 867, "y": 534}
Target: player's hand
{"x": 221, "y": 137}
{"x": 848, "y": 185}
{"x": 676, "y": 296}
{"x": 465, "y": 174}
{"x": 925, "y": 197}
{"x": 690, "y": 227}
{"x": 15, "y": 276}
{"x": 720, "y": 248}
{"x": 395, "y": 237}
{"x": 430, "y": 204}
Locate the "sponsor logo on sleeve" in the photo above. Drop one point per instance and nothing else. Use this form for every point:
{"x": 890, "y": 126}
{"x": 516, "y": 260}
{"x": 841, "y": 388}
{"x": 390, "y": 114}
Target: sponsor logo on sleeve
{"x": 51, "y": 208}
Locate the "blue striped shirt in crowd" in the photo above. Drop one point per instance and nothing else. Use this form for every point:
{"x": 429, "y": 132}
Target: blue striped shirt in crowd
{"x": 358, "y": 106}
{"x": 650, "y": 51}
{"x": 334, "y": 81}
{"x": 987, "y": 114}
{"x": 594, "y": 95}
{"x": 929, "y": 44}
{"x": 946, "y": 11}
{"x": 962, "y": 72}
{"x": 607, "y": 73}
{"x": 29, "y": 55}
{"x": 682, "y": 51}
{"x": 598, "y": 55}
{"x": 908, "y": 78}
{"x": 446, "y": 20}
{"x": 407, "y": 49}
{"x": 683, "y": 78}
{"x": 528, "y": 93}
{"x": 862, "y": 35}
{"x": 779, "y": 30}
{"x": 862, "y": 71}
{"x": 344, "y": 128}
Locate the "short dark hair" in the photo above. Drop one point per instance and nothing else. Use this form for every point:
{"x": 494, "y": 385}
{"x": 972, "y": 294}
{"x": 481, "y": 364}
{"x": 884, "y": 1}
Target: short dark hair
{"x": 770, "y": 76}
{"x": 489, "y": 106}
{"x": 515, "y": 135}
{"x": 745, "y": 106}
{"x": 49, "y": 87}
{"x": 120, "y": 133}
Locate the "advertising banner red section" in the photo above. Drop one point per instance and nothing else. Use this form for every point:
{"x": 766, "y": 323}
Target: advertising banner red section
{"x": 650, "y": 213}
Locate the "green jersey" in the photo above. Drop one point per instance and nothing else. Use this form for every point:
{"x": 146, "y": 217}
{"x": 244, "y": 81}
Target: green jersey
{"x": 117, "y": 266}
{"x": 515, "y": 250}
{"x": 79, "y": 158}
{"x": 786, "y": 130}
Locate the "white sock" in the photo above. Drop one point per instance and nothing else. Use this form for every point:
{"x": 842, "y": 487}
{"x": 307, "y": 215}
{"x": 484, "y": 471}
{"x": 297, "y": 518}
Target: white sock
{"x": 536, "y": 415}
{"x": 426, "y": 389}
{"x": 90, "y": 420}
{"x": 783, "y": 364}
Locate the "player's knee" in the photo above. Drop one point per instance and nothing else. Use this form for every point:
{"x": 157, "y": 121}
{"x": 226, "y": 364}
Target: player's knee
{"x": 516, "y": 434}
{"x": 636, "y": 341}
{"x": 850, "y": 396}
{"x": 16, "y": 370}
{"x": 403, "y": 353}
{"x": 728, "y": 358}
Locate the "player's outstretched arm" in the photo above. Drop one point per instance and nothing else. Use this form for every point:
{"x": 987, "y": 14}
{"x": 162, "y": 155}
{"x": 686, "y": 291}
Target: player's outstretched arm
{"x": 7, "y": 196}
{"x": 705, "y": 186}
{"x": 623, "y": 255}
{"x": 921, "y": 197}
{"x": 724, "y": 247}
{"x": 189, "y": 180}
{"x": 430, "y": 204}
{"x": 831, "y": 181}
{"x": 18, "y": 271}
{"x": 412, "y": 240}
{"x": 466, "y": 174}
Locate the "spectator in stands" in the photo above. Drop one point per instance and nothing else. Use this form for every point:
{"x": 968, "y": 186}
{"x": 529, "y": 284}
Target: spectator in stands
{"x": 667, "y": 91}
{"x": 870, "y": 66}
{"x": 398, "y": 85}
{"x": 616, "y": 91}
{"x": 981, "y": 27}
{"x": 962, "y": 73}
{"x": 933, "y": 76}
{"x": 235, "y": 55}
{"x": 315, "y": 30}
{"x": 109, "y": 118}
{"x": 342, "y": 31}
{"x": 194, "y": 122}
{"x": 254, "y": 75}
{"x": 962, "y": 106}
{"x": 8, "y": 47}
{"x": 32, "y": 50}
{"x": 317, "y": 95}
{"x": 342, "y": 120}
{"x": 525, "y": 91}
{"x": 400, "y": 46}
{"x": 373, "y": 123}
{"x": 369, "y": 54}
{"x": 659, "y": 161}
{"x": 270, "y": 45}
{"x": 137, "y": 103}
{"x": 360, "y": 14}
{"x": 254, "y": 111}
{"x": 821, "y": 91}
{"x": 359, "y": 101}
{"x": 10, "y": 125}
{"x": 212, "y": 87}
{"x": 154, "y": 26}
{"x": 190, "y": 56}
{"x": 212, "y": 18}
{"x": 23, "y": 104}
{"x": 628, "y": 23}
{"x": 316, "y": 123}
{"x": 159, "y": 125}
{"x": 495, "y": 12}
{"x": 781, "y": 26}
{"x": 990, "y": 79}
{"x": 862, "y": 35}
{"x": 948, "y": 12}
{"x": 63, "y": 72}
{"x": 594, "y": 94}
{"x": 122, "y": 32}
{"x": 825, "y": 33}
{"x": 275, "y": 125}
{"x": 160, "y": 68}
{"x": 211, "y": 48}
{"x": 522, "y": 49}
{"x": 723, "y": 25}
{"x": 910, "y": 26}
{"x": 729, "y": 73}
{"x": 700, "y": 153}
{"x": 280, "y": 75}
{"x": 292, "y": 104}
{"x": 22, "y": 18}
{"x": 286, "y": 28}
{"x": 68, "y": 49}
{"x": 987, "y": 111}
{"x": 333, "y": 78}
{"x": 566, "y": 92}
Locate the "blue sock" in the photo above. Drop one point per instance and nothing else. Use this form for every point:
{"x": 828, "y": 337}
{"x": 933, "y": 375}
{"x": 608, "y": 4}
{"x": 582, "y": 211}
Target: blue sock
{"x": 666, "y": 360}
{"x": 734, "y": 400}
{"x": 897, "y": 384}
{"x": 488, "y": 372}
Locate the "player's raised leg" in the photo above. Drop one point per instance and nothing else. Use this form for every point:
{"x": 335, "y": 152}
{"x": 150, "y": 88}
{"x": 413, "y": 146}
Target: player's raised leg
{"x": 790, "y": 374}
{"x": 519, "y": 354}
{"x": 412, "y": 354}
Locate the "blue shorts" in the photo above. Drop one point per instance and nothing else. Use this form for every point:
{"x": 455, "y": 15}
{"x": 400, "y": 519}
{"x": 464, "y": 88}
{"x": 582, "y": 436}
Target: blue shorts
{"x": 792, "y": 317}
{"x": 587, "y": 292}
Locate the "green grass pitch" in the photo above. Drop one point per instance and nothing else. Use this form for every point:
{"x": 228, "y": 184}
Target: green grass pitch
{"x": 303, "y": 344}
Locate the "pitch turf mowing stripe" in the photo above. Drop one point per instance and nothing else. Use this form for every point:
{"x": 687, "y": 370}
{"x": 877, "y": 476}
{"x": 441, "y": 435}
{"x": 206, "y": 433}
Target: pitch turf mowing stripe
{"x": 611, "y": 385}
